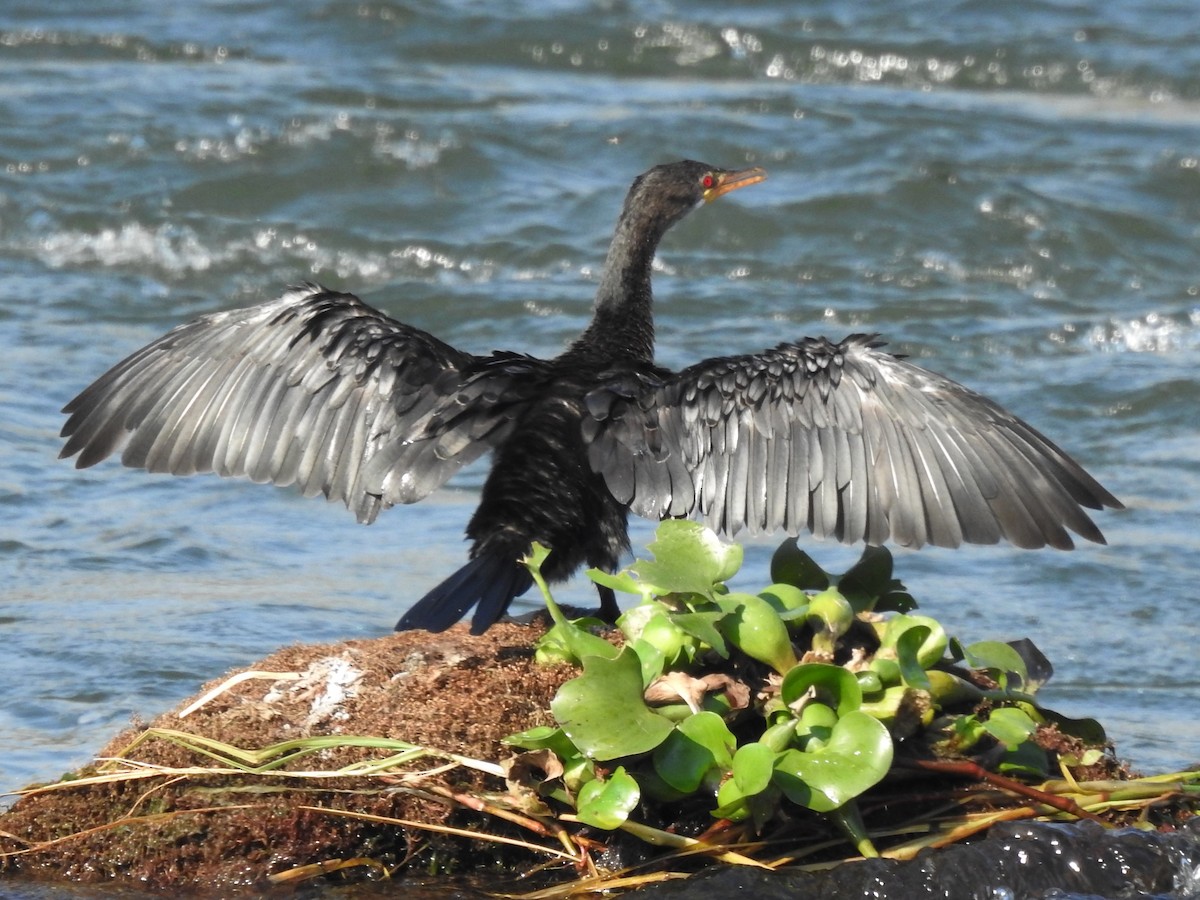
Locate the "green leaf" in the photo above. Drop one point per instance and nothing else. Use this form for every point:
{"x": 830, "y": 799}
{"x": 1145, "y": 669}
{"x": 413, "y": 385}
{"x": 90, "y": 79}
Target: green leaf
{"x": 652, "y": 660}
{"x": 896, "y": 601}
{"x": 791, "y": 565}
{"x": 908, "y": 652}
{"x": 815, "y": 727}
{"x": 698, "y": 745}
{"x": 603, "y": 713}
{"x": 967, "y": 732}
{"x": 1011, "y": 727}
{"x": 932, "y": 647}
{"x": 998, "y": 658}
{"x": 606, "y": 803}
{"x": 857, "y": 756}
{"x": 869, "y": 682}
{"x": 995, "y": 655}
{"x": 567, "y": 642}
{"x": 753, "y": 765}
{"x": 621, "y": 582}
{"x": 831, "y": 615}
{"x": 1025, "y": 759}
{"x": 1087, "y": 730}
{"x": 916, "y": 643}
{"x": 948, "y": 689}
{"x": 680, "y": 636}
{"x": 657, "y": 790}
{"x": 885, "y": 669}
{"x": 754, "y": 627}
{"x": 542, "y": 737}
{"x": 869, "y": 584}
{"x": 834, "y": 685}
{"x": 702, "y": 625}
{"x": 904, "y": 710}
{"x": 732, "y": 804}
{"x": 649, "y": 623}
{"x": 749, "y": 791}
{"x": 778, "y": 737}
{"x": 1038, "y": 669}
{"x": 868, "y": 579}
{"x": 786, "y": 598}
{"x": 688, "y": 559}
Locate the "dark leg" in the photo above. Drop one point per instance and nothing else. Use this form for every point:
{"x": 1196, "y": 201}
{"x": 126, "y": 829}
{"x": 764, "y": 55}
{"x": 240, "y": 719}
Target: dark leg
{"x": 609, "y": 610}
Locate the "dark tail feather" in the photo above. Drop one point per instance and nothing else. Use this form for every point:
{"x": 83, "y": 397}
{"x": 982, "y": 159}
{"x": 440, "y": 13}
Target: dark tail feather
{"x": 490, "y": 581}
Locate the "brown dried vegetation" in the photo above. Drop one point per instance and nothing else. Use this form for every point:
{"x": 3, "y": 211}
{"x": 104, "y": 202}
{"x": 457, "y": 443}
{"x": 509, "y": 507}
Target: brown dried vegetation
{"x": 453, "y": 692}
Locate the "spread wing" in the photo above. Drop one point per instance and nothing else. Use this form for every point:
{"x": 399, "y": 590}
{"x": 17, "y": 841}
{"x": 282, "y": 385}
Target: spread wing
{"x": 843, "y": 440}
{"x": 315, "y": 389}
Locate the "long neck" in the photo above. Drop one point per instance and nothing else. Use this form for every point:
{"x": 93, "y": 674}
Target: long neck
{"x": 622, "y": 326}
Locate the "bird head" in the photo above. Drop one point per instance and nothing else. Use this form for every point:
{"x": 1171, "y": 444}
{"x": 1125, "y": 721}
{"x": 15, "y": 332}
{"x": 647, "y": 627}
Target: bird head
{"x": 672, "y": 190}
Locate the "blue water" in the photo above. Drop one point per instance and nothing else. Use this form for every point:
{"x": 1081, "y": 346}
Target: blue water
{"x": 1009, "y": 192}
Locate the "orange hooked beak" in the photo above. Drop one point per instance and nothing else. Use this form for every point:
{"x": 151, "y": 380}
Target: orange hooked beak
{"x": 731, "y": 181}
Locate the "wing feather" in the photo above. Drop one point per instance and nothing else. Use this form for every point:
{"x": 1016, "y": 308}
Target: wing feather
{"x": 844, "y": 440}
{"x": 315, "y": 388}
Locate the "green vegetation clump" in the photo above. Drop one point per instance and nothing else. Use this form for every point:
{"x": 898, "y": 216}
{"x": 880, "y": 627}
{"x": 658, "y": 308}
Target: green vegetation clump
{"x": 798, "y": 695}
{"x": 765, "y": 729}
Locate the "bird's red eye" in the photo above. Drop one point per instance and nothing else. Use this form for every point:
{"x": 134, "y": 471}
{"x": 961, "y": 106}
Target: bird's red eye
{"x": 708, "y": 180}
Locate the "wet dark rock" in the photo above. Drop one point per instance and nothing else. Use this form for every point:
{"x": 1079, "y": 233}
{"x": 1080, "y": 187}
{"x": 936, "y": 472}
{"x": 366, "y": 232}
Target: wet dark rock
{"x": 1025, "y": 861}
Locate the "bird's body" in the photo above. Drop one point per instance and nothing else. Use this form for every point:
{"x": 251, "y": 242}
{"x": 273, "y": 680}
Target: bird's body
{"x": 320, "y": 390}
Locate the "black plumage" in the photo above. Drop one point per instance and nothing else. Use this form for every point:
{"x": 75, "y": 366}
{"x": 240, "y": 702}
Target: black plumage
{"x": 319, "y": 390}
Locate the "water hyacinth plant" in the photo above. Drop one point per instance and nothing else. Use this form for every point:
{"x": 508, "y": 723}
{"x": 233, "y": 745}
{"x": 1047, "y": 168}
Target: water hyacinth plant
{"x": 795, "y": 696}
{"x": 715, "y": 724}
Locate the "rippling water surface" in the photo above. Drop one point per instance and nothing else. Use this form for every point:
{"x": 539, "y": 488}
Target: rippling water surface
{"x": 1009, "y": 192}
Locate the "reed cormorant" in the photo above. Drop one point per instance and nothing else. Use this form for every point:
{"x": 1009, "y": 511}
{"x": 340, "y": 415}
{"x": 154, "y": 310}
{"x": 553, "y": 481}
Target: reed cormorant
{"x": 320, "y": 390}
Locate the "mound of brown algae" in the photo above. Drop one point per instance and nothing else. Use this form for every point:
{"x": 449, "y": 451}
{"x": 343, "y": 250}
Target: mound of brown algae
{"x": 176, "y": 804}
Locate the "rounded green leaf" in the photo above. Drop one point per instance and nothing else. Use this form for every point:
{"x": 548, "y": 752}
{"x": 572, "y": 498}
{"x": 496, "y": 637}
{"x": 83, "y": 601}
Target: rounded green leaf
{"x": 606, "y": 803}
{"x": 699, "y": 744}
{"x": 1087, "y": 730}
{"x": 998, "y": 658}
{"x": 903, "y": 709}
{"x": 831, "y": 612}
{"x": 856, "y": 757}
{"x": 749, "y": 791}
{"x": 778, "y": 737}
{"x": 753, "y": 766}
{"x": 1026, "y": 759}
{"x": 834, "y": 685}
{"x": 603, "y": 712}
{"x": 887, "y": 670}
{"x": 786, "y": 598}
{"x": 818, "y": 715}
{"x": 815, "y": 726}
{"x": 934, "y": 641}
{"x": 679, "y": 636}
{"x": 649, "y": 622}
{"x": 869, "y": 682}
{"x": 702, "y": 626}
{"x": 753, "y": 625}
{"x": 1011, "y": 727}
{"x": 732, "y": 804}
